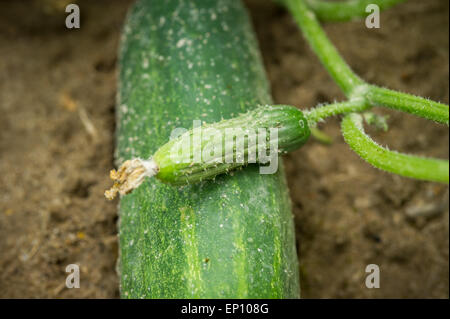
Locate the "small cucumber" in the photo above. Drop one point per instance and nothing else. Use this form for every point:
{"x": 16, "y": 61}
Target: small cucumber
{"x": 209, "y": 150}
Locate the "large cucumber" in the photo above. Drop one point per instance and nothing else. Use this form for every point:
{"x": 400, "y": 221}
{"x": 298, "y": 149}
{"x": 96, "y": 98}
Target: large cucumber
{"x": 232, "y": 237}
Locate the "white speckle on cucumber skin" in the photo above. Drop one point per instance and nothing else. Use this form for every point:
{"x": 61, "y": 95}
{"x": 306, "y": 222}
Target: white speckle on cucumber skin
{"x": 183, "y": 42}
{"x": 145, "y": 63}
{"x": 124, "y": 109}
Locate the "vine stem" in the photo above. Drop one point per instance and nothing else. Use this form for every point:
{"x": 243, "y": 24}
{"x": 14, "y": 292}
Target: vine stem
{"x": 350, "y": 83}
{"x": 363, "y": 96}
{"x": 415, "y": 105}
{"x": 429, "y": 169}
{"x": 322, "y": 112}
{"x": 374, "y": 95}
{"x": 347, "y": 10}
{"x": 322, "y": 46}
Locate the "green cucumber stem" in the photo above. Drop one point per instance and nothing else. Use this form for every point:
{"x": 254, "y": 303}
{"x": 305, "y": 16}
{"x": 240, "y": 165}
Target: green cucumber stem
{"x": 350, "y": 83}
{"x": 428, "y": 169}
{"x": 346, "y": 10}
{"x": 322, "y": 112}
{"x": 408, "y": 103}
{"x": 322, "y": 46}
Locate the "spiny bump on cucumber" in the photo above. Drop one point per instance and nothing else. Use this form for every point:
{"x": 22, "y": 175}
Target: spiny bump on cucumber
{"x": 196, "y": 163}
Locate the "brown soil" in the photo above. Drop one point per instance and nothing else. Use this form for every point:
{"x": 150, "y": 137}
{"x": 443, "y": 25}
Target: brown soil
{"x": 57, "y": 94}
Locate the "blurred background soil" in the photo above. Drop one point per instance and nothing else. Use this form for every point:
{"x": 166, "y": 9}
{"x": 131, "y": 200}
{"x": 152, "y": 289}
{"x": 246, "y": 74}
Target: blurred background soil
{"x": 57, "y": 98}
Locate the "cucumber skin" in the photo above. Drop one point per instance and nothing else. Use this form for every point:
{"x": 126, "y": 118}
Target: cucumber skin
{"x": 232, "y": 237}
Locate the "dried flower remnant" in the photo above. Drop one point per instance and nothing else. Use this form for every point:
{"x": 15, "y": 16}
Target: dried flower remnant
{"x": 130, "y": 175}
